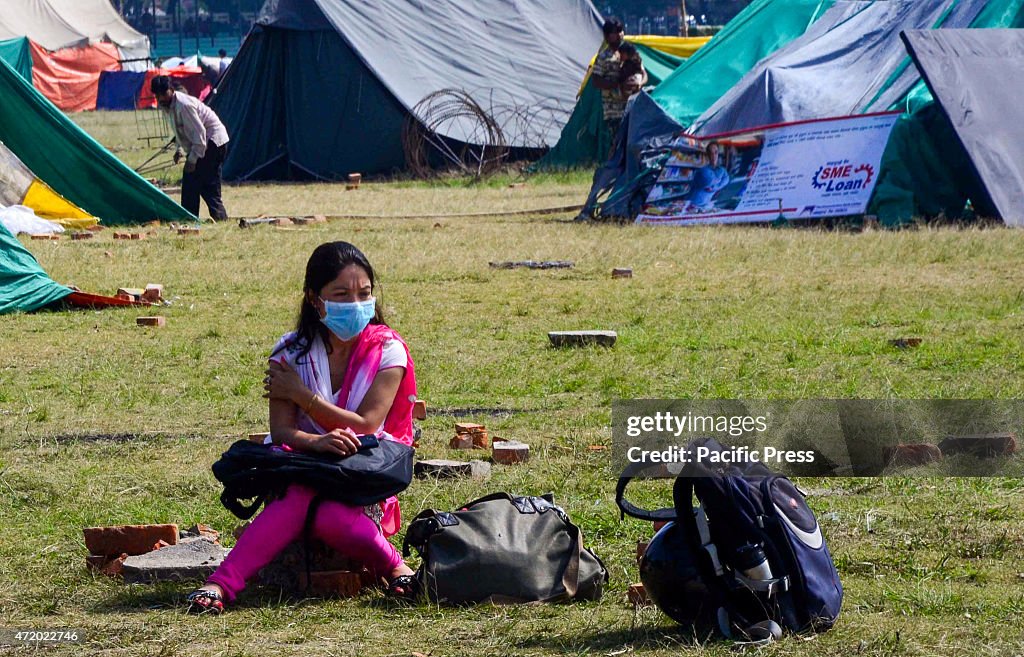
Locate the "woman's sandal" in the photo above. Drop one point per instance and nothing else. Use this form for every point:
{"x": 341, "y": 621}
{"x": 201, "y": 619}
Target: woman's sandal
{"x": 204, "y": 601}
{"x": 404, "y": 587}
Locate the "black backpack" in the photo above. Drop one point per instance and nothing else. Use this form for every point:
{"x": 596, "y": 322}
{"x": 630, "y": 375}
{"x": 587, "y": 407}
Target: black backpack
{"x": 504, "y": 549}
{"x": 742, "y": 507}
{"x": 250, "y": 470}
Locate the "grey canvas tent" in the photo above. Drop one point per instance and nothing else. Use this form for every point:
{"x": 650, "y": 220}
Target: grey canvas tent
{"x": 322, "y": 88}
{"x": 976, "y": 77}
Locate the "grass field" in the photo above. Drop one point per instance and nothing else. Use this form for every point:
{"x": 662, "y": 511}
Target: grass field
{"x": 102, "y": 422}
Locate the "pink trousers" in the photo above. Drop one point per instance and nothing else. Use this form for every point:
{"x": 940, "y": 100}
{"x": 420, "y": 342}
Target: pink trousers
{"x": 345, "y": 528}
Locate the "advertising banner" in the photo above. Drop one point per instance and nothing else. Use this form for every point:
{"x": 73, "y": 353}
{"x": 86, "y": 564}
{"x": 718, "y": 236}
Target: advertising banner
{"x": 805, "y": 170}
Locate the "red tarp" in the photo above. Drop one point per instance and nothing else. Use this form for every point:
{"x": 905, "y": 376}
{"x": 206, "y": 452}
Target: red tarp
{"x": 70, "y": 77}
{"x": 190, "y": 77}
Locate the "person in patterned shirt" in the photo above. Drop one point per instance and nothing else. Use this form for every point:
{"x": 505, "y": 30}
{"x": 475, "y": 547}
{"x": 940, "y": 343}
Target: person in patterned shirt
{"x": 606, "y": 75}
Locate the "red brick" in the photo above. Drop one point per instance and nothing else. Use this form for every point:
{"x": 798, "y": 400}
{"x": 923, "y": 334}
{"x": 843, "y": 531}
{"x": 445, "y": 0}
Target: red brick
{"x": 480, "y": 439}
{"x": 47, "y": 236}
{"x": 330, "y": 583}
{"x": 128, "y": 539}
{"x": 509, "y": 452}
{"x": 467, "y": 427}
{"x": 187, "y": 230}
{"x": 982, "y": 446}
{"x": 151, "y": 321}
{"x": 153, "y": 293}
{"x": 96, "y": 228}
{"x": 122, "y": 236}
{"x": 597, "y": 448}
{"x": 419, "y": 410}
{"x": 82, "y": 236}
{"x": 638, "y": 595}
{"x": 914, "y": 454}
{"x": 641, "y": 547}
{"x": 137, "y": 236}
{"x": 461, "y": 441}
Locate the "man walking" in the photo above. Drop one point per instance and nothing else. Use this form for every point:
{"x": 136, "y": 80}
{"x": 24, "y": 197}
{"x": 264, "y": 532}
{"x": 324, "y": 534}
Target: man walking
{"x": 203, "y": 141}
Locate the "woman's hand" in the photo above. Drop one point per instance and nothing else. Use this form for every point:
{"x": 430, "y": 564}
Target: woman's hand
{"x": 340, "y": 442}
{"x": 282, "y": 382}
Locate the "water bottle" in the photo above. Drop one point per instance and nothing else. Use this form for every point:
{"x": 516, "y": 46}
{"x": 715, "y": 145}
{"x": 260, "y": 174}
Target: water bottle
{"x": 752, "y": 562}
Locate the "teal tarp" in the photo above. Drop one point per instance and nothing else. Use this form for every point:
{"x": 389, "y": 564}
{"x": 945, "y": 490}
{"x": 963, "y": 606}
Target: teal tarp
{"x": 16, "y": 53}
{"x": 24, "y": 286}
{"x": 756, "y": 32}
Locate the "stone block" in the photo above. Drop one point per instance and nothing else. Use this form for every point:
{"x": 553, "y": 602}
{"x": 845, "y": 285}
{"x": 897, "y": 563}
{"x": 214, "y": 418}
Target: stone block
{"x": 128, "y": 539}
{"x": 510, "y": 452}
{"x": 582, "y": 338}
{"x": 194, "y": 560}
{"x": 443, "y": 469}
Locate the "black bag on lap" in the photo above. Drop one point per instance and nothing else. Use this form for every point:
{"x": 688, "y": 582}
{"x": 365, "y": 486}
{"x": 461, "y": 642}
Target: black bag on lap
{"x": 504, "y": 549}
{"x": 249, "y": 470}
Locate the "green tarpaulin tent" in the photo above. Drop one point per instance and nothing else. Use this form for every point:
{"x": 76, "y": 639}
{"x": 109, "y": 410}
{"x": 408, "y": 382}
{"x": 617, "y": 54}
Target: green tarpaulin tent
{"x": 756, "y": 32}
{"x": 16, "y": 53}
{"x": 24, "y": 286}
{"x": 71, "y": 162}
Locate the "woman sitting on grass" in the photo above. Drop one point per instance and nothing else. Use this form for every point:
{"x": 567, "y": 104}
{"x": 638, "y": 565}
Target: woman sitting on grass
{"x": 343, "y": 372}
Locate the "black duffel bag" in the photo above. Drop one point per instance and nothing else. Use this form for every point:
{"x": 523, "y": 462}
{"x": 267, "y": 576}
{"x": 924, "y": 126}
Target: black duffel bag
{"x": 249, "y": 470}
{"x": 504, "y": 549}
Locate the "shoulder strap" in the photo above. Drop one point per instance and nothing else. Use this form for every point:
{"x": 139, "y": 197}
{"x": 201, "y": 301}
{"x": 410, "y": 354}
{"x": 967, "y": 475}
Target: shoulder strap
{"x": 627, "y": 508}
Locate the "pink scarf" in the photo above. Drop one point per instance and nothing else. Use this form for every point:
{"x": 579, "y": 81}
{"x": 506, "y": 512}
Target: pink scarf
{"x": 363, "y": 364}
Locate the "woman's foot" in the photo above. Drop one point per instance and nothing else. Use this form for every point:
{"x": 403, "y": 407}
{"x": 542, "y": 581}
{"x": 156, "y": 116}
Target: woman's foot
{"x": 208, "y": 599}
{"x": 403, "y": 584}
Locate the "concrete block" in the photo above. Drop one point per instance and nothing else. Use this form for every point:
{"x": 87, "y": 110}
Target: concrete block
{"x": 443, "y": 469}
{"x": 129, "y": 539}
{"x": 911, "y": 455}
{"x": 185, "y": 561}
{"x": 151, "y": 321}
{"x": 510, "y": 452}
{"x": 582, "y": 338}
{"x": 981, "y": 446}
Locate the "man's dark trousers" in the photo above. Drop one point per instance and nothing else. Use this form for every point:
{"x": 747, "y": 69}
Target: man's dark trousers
{"x": 205, "y": 182}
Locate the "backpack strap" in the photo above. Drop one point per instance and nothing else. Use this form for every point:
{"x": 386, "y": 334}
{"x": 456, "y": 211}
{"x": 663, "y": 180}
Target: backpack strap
{"x": 233, "y": 504}
{"x": 627, "y": 508}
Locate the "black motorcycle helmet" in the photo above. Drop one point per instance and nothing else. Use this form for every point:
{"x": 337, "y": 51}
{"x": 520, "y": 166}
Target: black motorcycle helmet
{"x": 671, "y": 576}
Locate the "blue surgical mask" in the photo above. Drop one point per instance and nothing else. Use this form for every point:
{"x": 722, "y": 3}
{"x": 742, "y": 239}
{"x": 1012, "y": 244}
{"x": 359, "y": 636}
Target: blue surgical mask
{"x": 347, "y": 320}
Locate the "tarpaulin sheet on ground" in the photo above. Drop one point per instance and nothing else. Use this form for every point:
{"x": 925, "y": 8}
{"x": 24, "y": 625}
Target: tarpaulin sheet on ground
{"x": 977, "y": 77}
{"x": 804, "y": 170}
{"x": 24, "y": 286}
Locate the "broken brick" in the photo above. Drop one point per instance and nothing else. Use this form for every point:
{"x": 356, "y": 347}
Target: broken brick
{"x": 622, "y": 272}
{"x": 46, "y": 236}
{"x": 638, "y": 595}
{"x": 467, "y": 427}
{"x": 121, "y": 236}
{"x": 480, "y": 439}
{"x": 911, "y": 455}
{"x": 153, "y": 293}
{"x": 419, "y": 410}
{"x": 82, "y": 236}
{"x": 187, "y": 230}
{"x": 333, "y": 583}
{"x": 155, "y": 321}
{"x": 128, "y": 539}
{"x": 461, "y": 441}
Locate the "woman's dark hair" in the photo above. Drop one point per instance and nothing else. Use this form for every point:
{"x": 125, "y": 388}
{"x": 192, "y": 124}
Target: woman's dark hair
{"x": 613, "y": 26}
{"x": 324, "y": 265}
